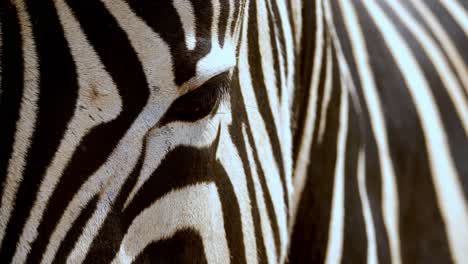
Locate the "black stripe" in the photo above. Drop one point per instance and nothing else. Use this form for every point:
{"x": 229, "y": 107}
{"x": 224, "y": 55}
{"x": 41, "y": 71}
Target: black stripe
{"x": 57, "y": 98}
{"x": 355, "y": 240}
{"x": 303, "y": 76}
{"x": 223, "y": 20}
{"x": 108, "y": 39}
{"x": 11, "y": 83}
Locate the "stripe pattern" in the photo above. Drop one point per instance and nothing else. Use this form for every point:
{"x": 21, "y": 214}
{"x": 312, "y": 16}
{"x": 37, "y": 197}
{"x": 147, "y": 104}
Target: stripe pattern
{"x": 271, "y": 131}
{"x": 394, "y": 188}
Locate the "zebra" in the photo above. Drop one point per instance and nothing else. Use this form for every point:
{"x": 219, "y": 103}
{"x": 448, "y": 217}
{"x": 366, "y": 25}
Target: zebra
{"x": 271, "y": 131}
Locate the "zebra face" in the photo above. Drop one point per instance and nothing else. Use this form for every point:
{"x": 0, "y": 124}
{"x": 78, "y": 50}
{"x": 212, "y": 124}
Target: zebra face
{"x": 130, "y": 123}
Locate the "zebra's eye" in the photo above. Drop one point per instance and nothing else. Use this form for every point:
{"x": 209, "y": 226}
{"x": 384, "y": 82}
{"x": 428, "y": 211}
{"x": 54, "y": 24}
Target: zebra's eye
{"x": 198, "y": 103}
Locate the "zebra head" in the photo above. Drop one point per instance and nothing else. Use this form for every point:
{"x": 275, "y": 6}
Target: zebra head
{"x": 146, "y": 127}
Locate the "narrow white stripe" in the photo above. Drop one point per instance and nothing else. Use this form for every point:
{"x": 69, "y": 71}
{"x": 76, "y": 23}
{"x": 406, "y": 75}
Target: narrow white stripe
{"x": 336, "y": 229}
{"x": 231, "y": 20}
{"x": 438, "y": 60}
{"x": 448, "y": 189}
{"x": 27, "y": 119}
{"x": 327, "y": 91}
{"x": 296, "y": 6}
{"x": 368, "y": 221}
{"x": 187, "y": 18}
{"x": 215, "y": 23}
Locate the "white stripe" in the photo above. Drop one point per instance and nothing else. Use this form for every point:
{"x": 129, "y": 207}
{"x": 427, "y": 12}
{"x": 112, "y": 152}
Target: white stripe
{"x": 27, "y": 118}
{"x": 215, "y": 22}
{"x": 390, "y": 198}
{"x": 336, "y": 229}
{"x": 367, "y": 212}
{"x": 327, "y": 91}
{"x": 448, "y": 189}
{"x": 187, "y": 17}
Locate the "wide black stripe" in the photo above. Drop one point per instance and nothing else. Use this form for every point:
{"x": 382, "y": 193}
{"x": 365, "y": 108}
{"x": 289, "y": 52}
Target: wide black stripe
{"x": 223, "y": 20}
{"x": 11, "y": 83}
{"x": 162, "y": 17}
{"x": 57, "y": 98}
{"x": 303, "y": 76}
{"x": 309, "y": 238}
{"x": 108, "y": 39}
{"x": 355, "y": 240}
{"x": 262, "y": 98}
{"x": 69, "y": 241}
{"x": 421, "y": 225}
{"x": 453, "y": 126}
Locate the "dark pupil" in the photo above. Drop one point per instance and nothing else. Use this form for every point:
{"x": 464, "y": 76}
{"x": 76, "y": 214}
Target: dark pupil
{"x": 198, "y": 103}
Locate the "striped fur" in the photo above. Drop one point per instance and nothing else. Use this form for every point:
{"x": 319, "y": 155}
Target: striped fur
{"x": 233, "y": 131}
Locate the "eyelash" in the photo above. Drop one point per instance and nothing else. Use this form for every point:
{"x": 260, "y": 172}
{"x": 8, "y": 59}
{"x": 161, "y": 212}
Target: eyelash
{"x": 199, "y": 103}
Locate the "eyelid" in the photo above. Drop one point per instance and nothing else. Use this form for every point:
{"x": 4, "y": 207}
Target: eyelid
{"x": 198, "y": 81}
